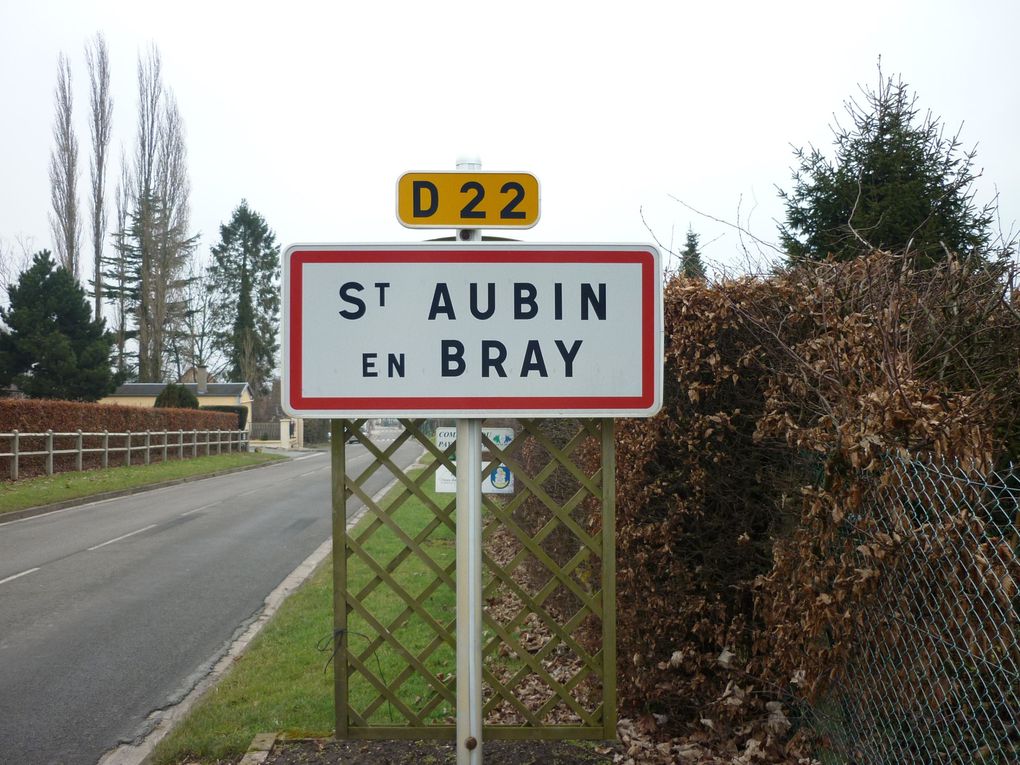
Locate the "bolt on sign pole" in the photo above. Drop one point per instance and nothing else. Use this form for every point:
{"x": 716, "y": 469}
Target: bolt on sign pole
{"x": 469, "y": 567}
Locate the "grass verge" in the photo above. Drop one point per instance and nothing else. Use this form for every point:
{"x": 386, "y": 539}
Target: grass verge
{"x": 277, "y": 685}
{"x": 46, "y": 490}
{"x": 280, "y": 685}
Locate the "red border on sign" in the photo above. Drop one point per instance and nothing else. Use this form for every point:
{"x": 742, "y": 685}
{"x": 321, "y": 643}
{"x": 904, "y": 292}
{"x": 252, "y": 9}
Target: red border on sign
{"x": 299, "y": 402}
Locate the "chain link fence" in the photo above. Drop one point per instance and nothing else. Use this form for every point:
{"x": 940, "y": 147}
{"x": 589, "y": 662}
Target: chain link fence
{"x": 934, "y": 674}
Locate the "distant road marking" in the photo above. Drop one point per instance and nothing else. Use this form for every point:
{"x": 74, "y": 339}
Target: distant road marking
{"x": 17, "y": 576}
{"x": 123, "y": 536}
{"x": 197, "y": 509}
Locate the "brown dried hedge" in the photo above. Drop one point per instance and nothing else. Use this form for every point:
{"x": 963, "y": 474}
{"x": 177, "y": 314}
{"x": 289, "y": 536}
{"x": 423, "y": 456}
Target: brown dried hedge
{"x": 38, "y": 416}
{"x": 784, "y": 395}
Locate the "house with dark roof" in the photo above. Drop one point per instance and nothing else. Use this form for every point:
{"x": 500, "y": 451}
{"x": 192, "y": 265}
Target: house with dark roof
{"x": 207, "y": 393}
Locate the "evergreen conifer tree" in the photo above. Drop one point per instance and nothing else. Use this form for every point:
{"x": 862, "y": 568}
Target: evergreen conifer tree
{"x": 690, "y": 257}
{"x": 53, "y": 347}
{"x": 895, "y": 181}
{"x": 244, "y": 277}
{"x": 176, "y": 396}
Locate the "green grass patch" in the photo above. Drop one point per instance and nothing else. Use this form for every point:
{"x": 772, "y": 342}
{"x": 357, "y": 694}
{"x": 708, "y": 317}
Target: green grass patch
{"x": 45, "y": 490}
{"x": 416, "y": 578}
{"x": 279, "y": 683}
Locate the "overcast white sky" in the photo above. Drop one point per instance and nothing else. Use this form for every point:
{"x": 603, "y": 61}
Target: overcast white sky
{"x": 312, "y": 111}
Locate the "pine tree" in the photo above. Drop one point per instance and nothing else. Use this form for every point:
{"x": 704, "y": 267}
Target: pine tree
{"x": 244, "y": 277}
{"x": 120, "y": 281}
{"x": 690, "y": 257}
{"x": 895, "y": 181}
{"x": 53, "y": 347}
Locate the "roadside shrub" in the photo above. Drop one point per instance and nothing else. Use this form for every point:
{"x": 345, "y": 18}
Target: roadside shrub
{"x": 738, "y": 582}
{"x": 898, "y": 361}
{"x": 695, "y": 505}
{"x": 175, "y": 396}
{"x": 38, "y": 416}
{"x": 240, "y": 411}
{"x": 316, "y": 431}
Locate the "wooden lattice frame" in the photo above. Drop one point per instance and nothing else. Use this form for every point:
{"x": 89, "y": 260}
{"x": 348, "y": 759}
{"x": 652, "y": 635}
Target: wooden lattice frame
{"x": 597, "y": 668}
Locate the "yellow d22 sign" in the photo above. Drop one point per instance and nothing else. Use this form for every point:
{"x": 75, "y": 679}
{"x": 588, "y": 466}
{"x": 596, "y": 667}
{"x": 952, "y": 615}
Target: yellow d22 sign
{"x": 467, "y": 200}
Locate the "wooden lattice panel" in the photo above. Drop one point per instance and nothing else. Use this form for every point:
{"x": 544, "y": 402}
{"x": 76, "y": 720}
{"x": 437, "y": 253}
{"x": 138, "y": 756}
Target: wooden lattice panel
{"x": 549, "y": 559}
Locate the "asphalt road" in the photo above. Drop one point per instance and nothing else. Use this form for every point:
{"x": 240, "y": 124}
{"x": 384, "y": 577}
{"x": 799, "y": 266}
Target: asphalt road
{"x": 111, "y": 611}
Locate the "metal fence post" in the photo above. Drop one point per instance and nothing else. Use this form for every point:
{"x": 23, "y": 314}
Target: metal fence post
{"x": 127, "y": 449}
{"x": 106, "y": 448}
{"x": 80, "y": 444}
{"x": 166, "y": 443}
{"x": 180, "y": 444}
{"x": 14, "y": 455}
{"x": 148, "y": 445}
{"x": 49, "y": 452}
{"x": 194, "y": 442}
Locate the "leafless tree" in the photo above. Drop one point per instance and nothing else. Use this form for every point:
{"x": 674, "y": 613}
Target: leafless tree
{"x": 64, "y": 219}
{"x": 101, "y": 113}
{"x": 150, "y": 96}
{"x": 161, "y": 218}
{"x": 192, "y": 333}
{"x": 248, "y": 363}
{"x": 13, "y": 260}
{"x": 173, "y": 246}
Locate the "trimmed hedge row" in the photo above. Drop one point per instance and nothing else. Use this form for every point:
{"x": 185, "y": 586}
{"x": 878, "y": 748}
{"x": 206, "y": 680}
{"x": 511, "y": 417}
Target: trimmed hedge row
{"x": 240, "y": 411}
{"x": 39, "y": 416}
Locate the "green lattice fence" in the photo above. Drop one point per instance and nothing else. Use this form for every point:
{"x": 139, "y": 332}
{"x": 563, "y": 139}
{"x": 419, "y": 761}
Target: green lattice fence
{"x": 549, "y": 621}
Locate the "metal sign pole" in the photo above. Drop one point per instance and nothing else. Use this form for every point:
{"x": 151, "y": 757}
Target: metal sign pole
{"x": 469, "y": 592}
{"x": 469, "y": 567}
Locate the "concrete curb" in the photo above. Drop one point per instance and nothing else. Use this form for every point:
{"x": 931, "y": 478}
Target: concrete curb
{"x": 259, "y": 749}
{"x": 30, "y": 512}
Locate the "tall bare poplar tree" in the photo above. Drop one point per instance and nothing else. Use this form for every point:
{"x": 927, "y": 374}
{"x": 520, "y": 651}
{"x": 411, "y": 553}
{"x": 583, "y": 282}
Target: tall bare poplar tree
{"x": 156, "y": 246}
{"x": 101, "y": 116}
{"x": 173, "y": 246}
{"x": 192, "y": 334}
{"x": 64, "y": 219}
{"x": 150, "y": 94}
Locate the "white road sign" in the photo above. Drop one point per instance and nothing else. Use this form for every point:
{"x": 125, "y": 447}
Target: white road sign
{"x": 498, "y": 480}
{"x": 472, "y": 329}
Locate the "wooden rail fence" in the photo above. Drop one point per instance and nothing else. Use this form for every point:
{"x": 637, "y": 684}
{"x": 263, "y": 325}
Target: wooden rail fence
{"x": 96, "y": 448}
